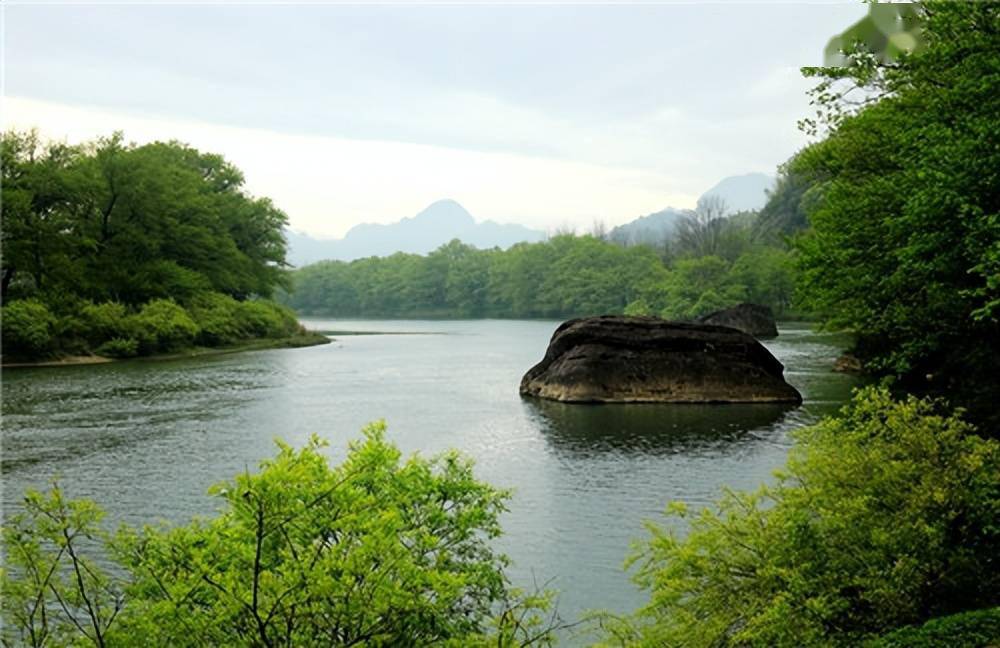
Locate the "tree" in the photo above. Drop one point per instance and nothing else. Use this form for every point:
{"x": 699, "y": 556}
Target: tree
{"x": 784, "y": 214}
{"x": 115, "y": 221}
{"x": 379, "y": 550}
{"x": 883, "y": 517}
{"x": 37, "y": 211}
{"x": 905, "y": 237}
{"x": 699, "y": 232}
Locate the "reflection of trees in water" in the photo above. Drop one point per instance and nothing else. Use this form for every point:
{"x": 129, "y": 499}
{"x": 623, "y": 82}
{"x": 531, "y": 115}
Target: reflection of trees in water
{"x": 648, "y": 427}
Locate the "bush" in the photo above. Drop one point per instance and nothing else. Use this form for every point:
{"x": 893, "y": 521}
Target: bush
{"x": 883, "y": 518}
{"x": 378, "y": 551}
{"x": 266, "y": 319}
{"x": 216, "y": 317}
{"x": 966, "y": 630}
{"x": 27, "y": 328}
{"x": 105, "y": 321}
{"x": 162, "y": 325}
{"x": 119, "y": 348}
{"x": 638, "y": 307}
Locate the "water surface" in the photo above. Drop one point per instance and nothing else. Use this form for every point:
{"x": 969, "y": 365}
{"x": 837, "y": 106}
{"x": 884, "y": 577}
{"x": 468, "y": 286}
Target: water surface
{"x": 146, "y": 439}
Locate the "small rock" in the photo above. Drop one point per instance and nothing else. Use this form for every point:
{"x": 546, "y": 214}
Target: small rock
{"x": 848, "y": 363}
{"x": 754, "y": 319}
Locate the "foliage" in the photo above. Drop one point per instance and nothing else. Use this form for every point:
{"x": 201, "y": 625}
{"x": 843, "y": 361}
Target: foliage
{"x": 964, "y": 630}
{"x": 265, "y": 319}
{"x": 566, "y": 276}
{"x": 162, "y": 325}
{"x": 638, "y": 307}
{"x": 27, "y": 328}
{"x": 379, "y": 550}
{"x": 784, "y": 213}
{"x": 119, "y": 348}
{"x": 114, "y": 239}
{"x": 215, "y": 316}
{"x": 114, "y": 221}
{"x": 106, "y": 321}
{"x": 905, "y": 237}
{"x": 883, "y": 517}
{"x": 698, "y": 286}
{"x": 53, "y": 594}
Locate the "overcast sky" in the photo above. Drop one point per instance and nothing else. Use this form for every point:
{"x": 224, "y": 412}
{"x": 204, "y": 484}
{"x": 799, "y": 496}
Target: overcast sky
{"x": 543, "y": 115}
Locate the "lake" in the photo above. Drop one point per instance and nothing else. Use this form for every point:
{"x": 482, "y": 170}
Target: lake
{"x": 146, "y": 439}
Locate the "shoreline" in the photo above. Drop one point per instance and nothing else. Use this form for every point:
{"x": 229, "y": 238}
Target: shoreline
{"x": 308, "y": 339}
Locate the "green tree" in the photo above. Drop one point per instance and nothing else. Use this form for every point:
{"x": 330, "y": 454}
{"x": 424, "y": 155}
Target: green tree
{"x": 115, "y": 221}
{"x": 905, "y": 236}
{"x": 27, "y": 328}
{"x": 377, "y": 551}
{"x": 883, "y": 517}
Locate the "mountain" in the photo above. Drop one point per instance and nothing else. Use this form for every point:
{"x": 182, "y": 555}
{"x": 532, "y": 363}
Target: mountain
{"x": 441, "y": 222}
{"x": 652, "y": 229}
{"x": 743, "y": 192}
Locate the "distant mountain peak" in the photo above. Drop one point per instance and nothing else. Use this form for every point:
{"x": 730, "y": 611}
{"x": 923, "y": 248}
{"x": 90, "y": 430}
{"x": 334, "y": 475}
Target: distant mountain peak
{"x": 743, "y": 192}
{"x": 445, "y": 211}
{"x": 435, "y": 225}
{"x": 740, "y": 193}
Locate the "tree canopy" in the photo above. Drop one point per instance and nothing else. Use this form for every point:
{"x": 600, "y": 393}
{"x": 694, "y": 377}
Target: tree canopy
{"x": 380, "y": 550}
{"x": 904, "y": 245}
{"x": 109, "y": 220}
{"x": 883, "y": 517}
{"x": 127, "y": 250}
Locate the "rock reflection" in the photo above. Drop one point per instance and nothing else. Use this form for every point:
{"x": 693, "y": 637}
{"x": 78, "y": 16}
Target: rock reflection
{"x": 651, "y": 428}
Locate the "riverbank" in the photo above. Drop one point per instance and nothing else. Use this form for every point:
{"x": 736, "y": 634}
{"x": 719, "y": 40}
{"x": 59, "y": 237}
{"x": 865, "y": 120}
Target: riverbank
{"x": 299, "y": 340}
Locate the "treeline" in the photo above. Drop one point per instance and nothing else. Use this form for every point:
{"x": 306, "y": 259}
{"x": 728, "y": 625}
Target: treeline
{"x": 564, "y": 276}
{"x": 127, "y": 250}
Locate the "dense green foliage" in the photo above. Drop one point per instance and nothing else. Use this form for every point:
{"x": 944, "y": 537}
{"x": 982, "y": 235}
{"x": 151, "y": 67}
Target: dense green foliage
{"x": 974, "y": 629}
{"x": 377, "y": 551}
{"x": 133, "y": 250}
{"x": 563, "y": 277}
{"x": 31, "y": 330}
{"x": 884, "y": 517}
{"x": 904, "y": 247}
{"x": 108, "y": 221}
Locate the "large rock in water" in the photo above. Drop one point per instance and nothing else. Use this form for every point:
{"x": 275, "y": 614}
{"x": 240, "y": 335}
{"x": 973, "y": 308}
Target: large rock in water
{"x": 615, "y": 359}
{"x": 754, "y": 319}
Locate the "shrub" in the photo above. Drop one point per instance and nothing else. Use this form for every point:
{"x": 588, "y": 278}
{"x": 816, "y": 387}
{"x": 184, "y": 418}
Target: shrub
{"x": 378, "y": 551}
{"x": 105, "y": 321}
{"x": 883, "y": 518}
{"x": 162, "y": 325}
{"x": 119, "y": 348}
{"x": 216, "y": 317}
{"x": 27, "y": 328}
{"x": 266, "y": 319}
{"x": 638, "y": 307}
{"x": 974, "y": 629}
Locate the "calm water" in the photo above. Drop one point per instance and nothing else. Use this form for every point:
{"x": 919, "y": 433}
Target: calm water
{"x": 146, "y": 439}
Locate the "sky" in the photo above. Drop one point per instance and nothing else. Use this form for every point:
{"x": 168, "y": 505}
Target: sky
{"x": 551, "y": 115}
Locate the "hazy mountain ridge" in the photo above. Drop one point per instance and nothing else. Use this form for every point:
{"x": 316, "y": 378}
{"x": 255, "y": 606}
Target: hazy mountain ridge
{"x": 445, "y": 220}
{"x": 741, "y": 193}
{"x": 439, "y": 223}
{"x": 651, "y": 229}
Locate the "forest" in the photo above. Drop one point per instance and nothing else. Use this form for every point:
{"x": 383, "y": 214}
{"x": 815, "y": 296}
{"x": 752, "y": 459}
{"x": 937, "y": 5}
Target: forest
{"x": 881, "y": 529}
{"x": 714, "y": 261}
{"x": 125, "y": 250}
